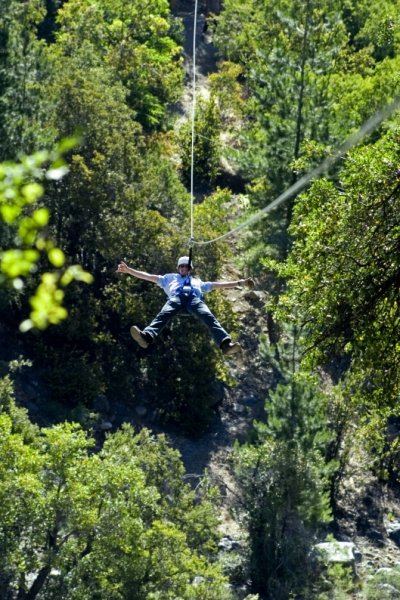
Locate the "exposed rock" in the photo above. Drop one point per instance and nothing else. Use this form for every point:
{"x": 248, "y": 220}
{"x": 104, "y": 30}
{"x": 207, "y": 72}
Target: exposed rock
{"x": 105, "y": 425}
{"x": 255, "y": 298}
{"x": 250, "y": 400}
{"x": 393, "y": 531}
{"x": 227, "y": 544}
{"x": 384, "y": 571}
{"x": 337, "y": 552}
{"x": 376, "y": 536}
{"x": 389, "y": 591}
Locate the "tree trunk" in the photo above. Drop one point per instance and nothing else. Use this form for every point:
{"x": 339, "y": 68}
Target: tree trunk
{"x": 300, "y": 103}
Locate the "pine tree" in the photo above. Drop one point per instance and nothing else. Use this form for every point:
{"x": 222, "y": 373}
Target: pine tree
{"x": 284, "y": 478}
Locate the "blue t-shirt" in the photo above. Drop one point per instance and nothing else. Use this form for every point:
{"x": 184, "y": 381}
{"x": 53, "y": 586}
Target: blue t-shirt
{"x": 171, "y": 282}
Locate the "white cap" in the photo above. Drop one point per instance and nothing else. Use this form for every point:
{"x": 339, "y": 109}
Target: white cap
{"x": 184, "y": 260}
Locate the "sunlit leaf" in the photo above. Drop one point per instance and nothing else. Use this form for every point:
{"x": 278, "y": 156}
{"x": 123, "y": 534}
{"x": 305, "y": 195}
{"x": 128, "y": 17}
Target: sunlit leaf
{"x": 32, "y": 191}
{"x": 57, "y": 174}
{"x": 75, "y": 272}
{"x": 56, "y": 257}
{"x": 67, "y": 144}
{"x": 41, "y": 216}
{"x": 9, "y": 212}
{"x": 18, "y": 262}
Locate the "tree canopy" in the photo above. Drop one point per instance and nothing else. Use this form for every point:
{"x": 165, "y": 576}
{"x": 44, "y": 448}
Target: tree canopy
{"x": 95, "y": 159}
{"x": 112, "y": 524}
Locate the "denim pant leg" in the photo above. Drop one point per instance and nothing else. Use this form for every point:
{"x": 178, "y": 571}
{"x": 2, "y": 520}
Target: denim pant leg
{"x": 200, "y": 309}
{"x": 170, "y": 308}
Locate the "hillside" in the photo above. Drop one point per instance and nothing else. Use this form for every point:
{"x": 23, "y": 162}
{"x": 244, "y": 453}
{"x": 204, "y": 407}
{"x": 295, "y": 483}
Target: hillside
{"x": 176, "y": 472}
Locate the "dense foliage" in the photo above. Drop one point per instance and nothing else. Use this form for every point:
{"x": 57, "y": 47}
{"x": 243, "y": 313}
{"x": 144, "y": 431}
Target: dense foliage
{"x": 284, "y": 474}
{"x": 23, "y": 225}
{"x": 108, "y": 525}
{"x": 343, "y": 274}
{"x": 312, "y": 71}
{"x": 93, "y": 519}
{"x": 122, "y": 198}
{"x": 311, "y": 74}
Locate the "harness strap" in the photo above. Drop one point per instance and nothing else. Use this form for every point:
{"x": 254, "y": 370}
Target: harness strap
{"x": 186, "y": 290}
{"x": 190, "y": 256}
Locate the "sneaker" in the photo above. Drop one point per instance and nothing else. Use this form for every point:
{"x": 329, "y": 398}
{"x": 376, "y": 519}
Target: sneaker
{"x": 228, "y": 347}
{"x": 139, "y": 337}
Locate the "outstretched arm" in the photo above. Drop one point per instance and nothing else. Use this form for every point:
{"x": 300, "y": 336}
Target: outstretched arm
{"x": 123, "y": 268}
{"x": 249, "y": 282}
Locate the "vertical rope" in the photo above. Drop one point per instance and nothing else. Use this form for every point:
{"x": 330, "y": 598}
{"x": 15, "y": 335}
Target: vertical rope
{"x": 193, "y": 121}
{"x": 190, "y": 256}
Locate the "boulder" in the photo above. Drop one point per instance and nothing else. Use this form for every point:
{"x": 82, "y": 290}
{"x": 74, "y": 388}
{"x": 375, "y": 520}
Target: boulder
{"x": 388, "y": 591}
{"x": 393, "y": 531}
{"x": 337, "y": 552}
{"x": 227, "y": 544}
{"x": 105, "y": 426}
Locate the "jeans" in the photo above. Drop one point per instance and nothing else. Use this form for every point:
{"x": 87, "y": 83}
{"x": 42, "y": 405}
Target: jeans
{"x": 194, "y": 306}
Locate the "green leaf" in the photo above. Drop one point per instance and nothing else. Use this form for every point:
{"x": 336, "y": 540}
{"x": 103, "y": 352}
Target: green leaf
{"x": 9, "y": 212}
{"x": 32, "y": 192}
{"x": 68, "y": 144}
{"x": 41, "y": 216}
{"x": 18, "y": 262}
{"x": 75, "y": 272}
{"x": 56, "y": 257}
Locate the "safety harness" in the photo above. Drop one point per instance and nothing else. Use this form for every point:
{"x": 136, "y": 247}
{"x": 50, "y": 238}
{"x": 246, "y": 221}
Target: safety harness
{"x": 185, "y": 291}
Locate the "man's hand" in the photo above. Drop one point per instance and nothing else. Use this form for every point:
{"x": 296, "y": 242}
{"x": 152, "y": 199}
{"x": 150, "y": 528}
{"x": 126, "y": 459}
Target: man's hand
{"x": 122, "y": 267}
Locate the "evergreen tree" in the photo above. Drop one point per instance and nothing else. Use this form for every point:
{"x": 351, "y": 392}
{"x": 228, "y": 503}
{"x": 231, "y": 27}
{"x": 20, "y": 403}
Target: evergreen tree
{"x": 313, "y": 72}
{"x": 284, "y": 478}
{"x": 137, "y": 41}
{"x": 207, "y": 146}
{"x": 22, "y": 63}
{"x": 288, "y": 52}
{"x": 343, "y": 278}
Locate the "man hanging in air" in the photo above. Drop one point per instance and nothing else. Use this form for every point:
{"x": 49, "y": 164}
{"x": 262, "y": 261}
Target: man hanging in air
{"x": 185, "y": 293}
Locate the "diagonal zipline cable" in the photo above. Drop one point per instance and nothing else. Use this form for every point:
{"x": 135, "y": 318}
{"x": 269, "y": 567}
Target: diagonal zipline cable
{"x": 370, "y": 125}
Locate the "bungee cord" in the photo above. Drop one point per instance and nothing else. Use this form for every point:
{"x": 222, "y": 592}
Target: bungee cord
{"x": 370, "y": 125}
{"x": 193, "y": 123}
